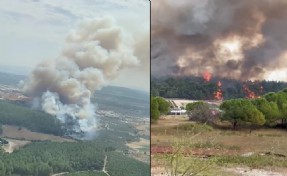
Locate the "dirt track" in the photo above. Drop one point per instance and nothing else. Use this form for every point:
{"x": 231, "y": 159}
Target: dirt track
{"x": 14, "y": 145}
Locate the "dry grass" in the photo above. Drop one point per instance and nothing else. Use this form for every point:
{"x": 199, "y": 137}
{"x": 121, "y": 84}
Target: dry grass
{"x": 139, "y": 144}
{"x": 225, "y": 144}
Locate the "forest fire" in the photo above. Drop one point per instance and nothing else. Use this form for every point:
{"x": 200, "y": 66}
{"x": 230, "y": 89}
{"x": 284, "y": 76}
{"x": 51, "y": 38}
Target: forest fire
{"x": 249, "y": 93}
{"x": 207, "y": 76}
{"x": 218, "y": 93}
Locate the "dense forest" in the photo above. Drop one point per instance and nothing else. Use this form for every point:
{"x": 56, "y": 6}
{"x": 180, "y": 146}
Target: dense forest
{"x": 45, "y": 158}
{"x": 198, "y": 89}
{"x": 37, "y": 121}
{"x": 122, "y": 100}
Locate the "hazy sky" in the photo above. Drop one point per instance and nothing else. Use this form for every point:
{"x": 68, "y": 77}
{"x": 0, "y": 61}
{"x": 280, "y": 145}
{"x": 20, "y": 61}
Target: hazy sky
{"x": 35, "y": 30}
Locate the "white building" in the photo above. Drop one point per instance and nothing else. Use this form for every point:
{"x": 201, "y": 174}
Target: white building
{"x": 177, "y": 111}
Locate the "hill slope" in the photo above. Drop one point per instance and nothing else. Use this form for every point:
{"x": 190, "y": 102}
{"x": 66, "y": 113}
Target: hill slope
{"x": 10, "y": 79}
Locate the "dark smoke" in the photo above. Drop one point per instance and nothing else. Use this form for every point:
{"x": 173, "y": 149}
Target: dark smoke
{"x": 190, "y": 36}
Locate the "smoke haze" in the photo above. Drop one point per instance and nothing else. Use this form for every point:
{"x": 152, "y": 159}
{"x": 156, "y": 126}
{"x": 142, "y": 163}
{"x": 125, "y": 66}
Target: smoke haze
{"x": 94, "y": 54}
{"x": 229, "y": 38}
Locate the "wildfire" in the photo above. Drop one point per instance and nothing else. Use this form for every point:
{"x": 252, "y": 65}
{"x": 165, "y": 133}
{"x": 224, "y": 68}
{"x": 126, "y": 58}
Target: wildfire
{"x": 207, "y": 76}
{"x": 249, "y": 93}
{"x": 218, "y": 94}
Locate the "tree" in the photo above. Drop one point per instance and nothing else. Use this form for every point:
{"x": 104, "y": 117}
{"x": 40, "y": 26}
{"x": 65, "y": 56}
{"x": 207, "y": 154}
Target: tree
{"x": 192, "y": 106}
{"x": 163, "y": 105}
{"x": 241, "y": 111}
{"x": 269, "y": 109}
{"x": 280, "y": 99}
{"x": 199, "y": 111}
{"x": 154, "y": 109}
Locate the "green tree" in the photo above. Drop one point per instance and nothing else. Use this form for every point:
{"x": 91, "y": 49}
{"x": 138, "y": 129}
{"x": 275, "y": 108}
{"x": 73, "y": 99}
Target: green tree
{"x": 269, "y": 109}
{"x": 241, "y": 111}
{"x": 163, "y": 105}
{"x": 192, "y": 106}
{"x": 280, "y": 99}
{"x": 154, "y": 109}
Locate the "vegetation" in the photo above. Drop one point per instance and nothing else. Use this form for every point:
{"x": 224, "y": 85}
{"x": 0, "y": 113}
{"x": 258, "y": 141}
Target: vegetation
{"x": 194, "y": 128}
{"x": 241, "y": 111}
{"x": 265, "y": 110}
{"x": 195, "y": 105}
{"x": 197, "y": 89}
{"x": 45, "y": 158}
{"x": 159, "y": 106}
{"x": 154, "y": 110}
{"x": 37, "y": 121}
{"x": 220, "y": 148}
{"x": 123, "y": 100}
{"x": 200, "y": 112}
{"x": 163, "y": 105}
{"x": 269, "y": 109}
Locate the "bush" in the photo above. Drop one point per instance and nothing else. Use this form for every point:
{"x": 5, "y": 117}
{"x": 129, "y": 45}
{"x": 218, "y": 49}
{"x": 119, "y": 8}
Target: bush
{"x": 200, "y": 112}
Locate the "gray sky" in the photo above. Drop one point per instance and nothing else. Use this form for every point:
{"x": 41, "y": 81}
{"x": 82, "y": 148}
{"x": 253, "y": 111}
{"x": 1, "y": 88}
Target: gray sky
{"x": 35, "y": 30}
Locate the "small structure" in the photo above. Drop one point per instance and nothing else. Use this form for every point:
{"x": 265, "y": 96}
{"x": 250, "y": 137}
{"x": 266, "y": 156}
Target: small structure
{"x": 177, "y": 111}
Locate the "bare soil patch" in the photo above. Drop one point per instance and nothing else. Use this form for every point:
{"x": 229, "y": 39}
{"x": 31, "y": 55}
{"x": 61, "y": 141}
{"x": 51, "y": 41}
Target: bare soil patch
{"x": 14, "y": 144}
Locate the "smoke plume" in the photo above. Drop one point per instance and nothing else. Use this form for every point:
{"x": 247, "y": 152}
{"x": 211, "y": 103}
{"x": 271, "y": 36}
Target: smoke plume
{"x": 230, "y": 38}
{"x": 94, "y": 54}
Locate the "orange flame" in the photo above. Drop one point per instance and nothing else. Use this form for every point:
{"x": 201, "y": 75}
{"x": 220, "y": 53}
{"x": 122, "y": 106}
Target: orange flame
{"x": 218, "y": 94}
{"x": 249, "y": 93}
{"x": 207, "y": 76}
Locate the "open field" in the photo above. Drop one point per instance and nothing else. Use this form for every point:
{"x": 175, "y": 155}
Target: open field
{"x": 20, "y": 133}
{"x": 14, "y": 144}
{"x": 260, "y": 152}
{"x": 18, "y": 137}
{"x": 139, "y": 144}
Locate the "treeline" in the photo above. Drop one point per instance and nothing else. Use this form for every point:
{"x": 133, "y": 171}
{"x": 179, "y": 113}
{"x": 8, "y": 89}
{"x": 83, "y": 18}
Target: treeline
{"x": 46, "y": 158}
{"x": 159, "y": 106}
{"x": 267, "y": 110}
{"x": 12, "y": 114}
{"x": 198, "y": 89}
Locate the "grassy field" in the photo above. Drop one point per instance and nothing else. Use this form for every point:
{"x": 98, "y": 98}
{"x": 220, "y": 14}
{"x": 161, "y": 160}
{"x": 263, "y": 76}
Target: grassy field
{"x": 18, "y": 137}
{"x": 177, "y": 143}
{"x": 21, "y": 133}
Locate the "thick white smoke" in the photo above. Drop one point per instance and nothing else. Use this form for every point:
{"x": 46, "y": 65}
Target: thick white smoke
{"x": 94, "y": 54}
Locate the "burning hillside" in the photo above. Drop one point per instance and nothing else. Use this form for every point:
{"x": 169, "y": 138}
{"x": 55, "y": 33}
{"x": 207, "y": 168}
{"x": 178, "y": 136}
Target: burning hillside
{"x": 197, "y": 88}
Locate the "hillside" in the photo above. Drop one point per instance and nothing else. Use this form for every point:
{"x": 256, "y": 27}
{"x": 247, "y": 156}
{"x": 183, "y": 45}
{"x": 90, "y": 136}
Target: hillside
{"x": 123, "y": 100}
{"x": 12, "y": 114}
{"x": 10, "y": 79}
{"x": 198, "y": 89}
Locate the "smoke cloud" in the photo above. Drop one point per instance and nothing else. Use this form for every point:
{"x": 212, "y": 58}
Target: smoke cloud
{"x": 94, "y": 54}
{"x": 230, "y": 38}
